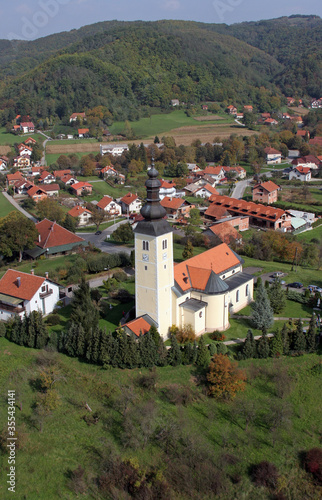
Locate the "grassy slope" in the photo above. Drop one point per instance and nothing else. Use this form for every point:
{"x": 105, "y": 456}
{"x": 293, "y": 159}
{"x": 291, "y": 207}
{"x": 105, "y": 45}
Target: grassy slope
{"x": 66, "y": 441}
{"x": 5, "y": 206}
{"x": 8, "y": 139}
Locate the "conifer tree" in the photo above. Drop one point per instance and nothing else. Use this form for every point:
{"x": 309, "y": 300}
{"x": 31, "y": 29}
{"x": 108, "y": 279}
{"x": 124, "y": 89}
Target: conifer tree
{"x": 212, "y": 350}
{"x": 155, "y": 335}
{"x": 299, "y": 341}
{"x": 285, "y": 339}
{"x": 277, "y": 297}
{"x": 133, "y": 353}
{"x": 311, "y": 337}
{"x": 249, "y": 347}
{"x": 162, "y": 354}
{"x": 80, "y": 344}
{"x": 148, "y": 350}
{"x": 122, "y": 347}
{"x": 263, "y": 347}
{"x": 108, "y": 349}
{"x": 92, "y": 351}
{"x": 203, "y": 356}
{"x": 187, "y": 354}
{"x": 174, "y": 353}
{"x": 188, "y": 250}
{"x": 84, "y": 312}
{"x": 262, "y": 314}
{"x": 221, "y": 348}
{"x": 276, "y": 344}
{"x": 41, "y": 330}
{"x": 69, "y": 340}
{"x": 195, "y": 352}
{"x": 16, "y": 330}
{"x": 30, "y": 331}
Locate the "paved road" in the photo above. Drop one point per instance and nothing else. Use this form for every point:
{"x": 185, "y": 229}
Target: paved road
{"x": 99, "y": 240}
{"x": 43, "y": 159}
{"x": 239, "y": 189}
{"x": 18, "y": 207}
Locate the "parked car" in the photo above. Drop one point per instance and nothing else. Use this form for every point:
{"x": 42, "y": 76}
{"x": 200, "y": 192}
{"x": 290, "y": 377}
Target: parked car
{"x": 98, "y": 232}
{"x": 296, "y": 284}
{"x": 314, "y": 288}
{"x": 278, "y": 274}
{"x": 282, "y": 282}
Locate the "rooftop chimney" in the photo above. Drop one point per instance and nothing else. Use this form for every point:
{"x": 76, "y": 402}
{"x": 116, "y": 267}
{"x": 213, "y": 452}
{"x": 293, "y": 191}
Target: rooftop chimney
{"x": 46, "y": 275}
{"x": 32, "y": 272}
{"x": 18, "y": 282}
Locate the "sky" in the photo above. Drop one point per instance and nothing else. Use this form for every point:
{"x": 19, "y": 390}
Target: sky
{"x": 31, "y": 19}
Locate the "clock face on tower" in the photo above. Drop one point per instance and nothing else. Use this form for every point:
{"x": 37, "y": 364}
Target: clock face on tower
{"x": 145, "y": 257}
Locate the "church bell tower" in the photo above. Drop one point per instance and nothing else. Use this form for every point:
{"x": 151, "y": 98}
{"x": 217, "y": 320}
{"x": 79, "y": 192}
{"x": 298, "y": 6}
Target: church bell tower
{"x": 154, "y": 259}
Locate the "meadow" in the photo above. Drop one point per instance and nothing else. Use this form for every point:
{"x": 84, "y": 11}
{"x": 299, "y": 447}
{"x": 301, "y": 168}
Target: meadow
{"x": 5, "y": 206}
{"x": 274, "y": 419}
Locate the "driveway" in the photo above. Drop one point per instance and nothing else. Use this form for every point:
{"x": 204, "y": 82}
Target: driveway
{"x": 239, "y": 189}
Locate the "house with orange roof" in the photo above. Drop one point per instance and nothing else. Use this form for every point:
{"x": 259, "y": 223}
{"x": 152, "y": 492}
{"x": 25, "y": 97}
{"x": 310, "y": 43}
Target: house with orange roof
{"x": 36, "y": 170}
{"x": 239, "y": 171}
{"x": 80, "y": 188}
{"x": 316, "y": 141}
{"x": 82, "y": 214}
{"x": 130, "y": 203}
{"x": 54, "y": 239}
{"x": 270, "y": 121}
{"x": 12, "y": 178}
{"x": 68, "y": 179}
{"x": 139, "y": 326}
{"x": 217, "y": 173}
{"x": 303, "y": 133}
{"x": 109, "y": 171}
{"x": 46, "y": 177}
{"x": 73, "y": 117}
{"x": 109, "y": 206}
{"x": 232, "y": 110}
{"x": 82, "y": 132}
{"x": 24, "y": 150}
{"x": 225, "y": 232}
{"x": 16, "y": 128}
{"x": 176, "y": 207}
{"x": 31, "y": 141}
{"x": 22, "y": 293}
{"x": 27, "y": 127}
{"x": 248, "y": 109}
{"x": 51, "y": 189}
{"x": 265, "y": 192}
{"x": 298, "y": 120}
{"x": 37, "y": 193}
{"x": 3, "y": 164}
{"x": 167, "y": 188}
{"x": 308, "y": 161}
{"x": 300, "y": 173}
{"x": 205, "y": 191}
{"x": 21, "y": 161}
{"x": 22, "y": 186}
{"x": 60, "y": 173}
{"x": 273, "y": 156}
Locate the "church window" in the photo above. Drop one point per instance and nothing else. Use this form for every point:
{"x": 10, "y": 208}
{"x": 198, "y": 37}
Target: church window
{"x": 237, "y": 296}
{"x": 164, "y": 244}
{"x": 145, "y": 268}
{"x": 200, "y": 314}
{"x": 145, "y": 245}
{"x": 247, "y": 290}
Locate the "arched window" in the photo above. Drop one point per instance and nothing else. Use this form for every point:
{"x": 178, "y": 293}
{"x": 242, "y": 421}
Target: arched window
{"x": 145, "y": 245}
{"x": 247, "y": 290}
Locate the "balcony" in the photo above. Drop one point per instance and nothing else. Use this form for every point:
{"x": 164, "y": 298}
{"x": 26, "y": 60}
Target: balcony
{"x": 45, "y": 294}
{"x": 12, "y": 309}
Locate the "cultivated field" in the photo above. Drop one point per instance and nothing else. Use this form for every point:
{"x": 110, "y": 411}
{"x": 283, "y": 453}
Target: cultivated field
{"x": 208, "y": 118}
{"x": 207, "y": 133}
{"x": 5, "y": 150}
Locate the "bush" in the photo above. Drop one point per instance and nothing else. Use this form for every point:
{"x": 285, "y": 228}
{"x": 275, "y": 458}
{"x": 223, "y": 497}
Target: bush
{"x": 265, "y": 474}
{"x": 2, "y": 329}
{"x": 148, "y": 380}
{"x": 185, "y": 334}
{"x": 179, "y": 395}
{"x": 222, "y": 348}
{"x": 313, "y": 463}
{"x": 120, "y": 276}
{"x": 53, "y": 319}
{"x": 218, "y": 336}
{"x": 297, "y": 297}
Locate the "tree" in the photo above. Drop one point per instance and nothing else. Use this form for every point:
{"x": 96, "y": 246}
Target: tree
{"x": 203, "y": 355}
{"x": 188, "y": 250}
{"x": 262, "y": 313}
{"x": 17, "y": 233}
{"x": 277, "y": 297}
{"x": 225, "y": 378}
{"x": 277, "y": 344}
{"x": 249, "y": 347}
{"x": 299, "y": 341}
{"x": 50, "y": 209}
{"x": 263, "y": 347}
{"x": 123, "y": 233}
{"x": 148, "y": 350}
{"x": 311, "y": 338}
{"x": 285, "y": 339}
{"x": 70, "y": 223}
{"x": 97, "y": 217}
{"x": 174, "y": 353}
{"x": 84, "y": 312}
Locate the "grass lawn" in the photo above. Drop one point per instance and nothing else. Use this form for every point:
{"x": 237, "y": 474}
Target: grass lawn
{"x": 162, "y": 123}
{"x": 59, "y": 142}
{"x": 178, "y": 249}
{"x": 41, "y": 266}
{"x": 66, "y": 442}
{"x": 5, "y": 206}
{"x": 292, "y": 310}
{"x": 307, "y": 236}
{"x": 53, "y": 157}
{"x": 6, "y": 138}
{"x": 102, "y": 188}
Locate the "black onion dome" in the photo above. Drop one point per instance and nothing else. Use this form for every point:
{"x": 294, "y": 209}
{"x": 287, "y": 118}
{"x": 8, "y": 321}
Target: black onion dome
{"x": 152, "y": 210}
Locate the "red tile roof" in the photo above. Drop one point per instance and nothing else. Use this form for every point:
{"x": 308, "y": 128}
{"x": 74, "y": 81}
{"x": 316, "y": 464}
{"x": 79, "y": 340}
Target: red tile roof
{"x": 60, "y": 173}
{"x": 195, "y": 272}
{"x": 213, "y": 170}
{"x": 216, "y": 211}
{"x": 83, "y": 130}
{"x": 35, "y": 189}
{"x": 45, "y": 174}
{"x": 173, "y": 203}
{"x": 50, "y": 187}
{"x": 17, "y": 176}
{"x": 226, "y": 232}
{"x": 81, "y": 185}
{"x": 272, "y": 151}
{"x": 166, "y": 184}
{"x": 78, "y": 210}
{"x": 27, "y": 124}
{"x": 23, "y": 146}
{"x": 104, "y": 202}
{"x": 269, "y": 186}
{"x": 29, "y": 284}
{"x": 54, "y": 235}
{"x": 303, "y": 170}
{"x": 67, "y": 177}
{"x": 139, "y": 326}
{"x": 30, "y": 139}
{"x": 75, "y": 115}
{"x": 250, "y": 208}
{"x": 129, "y": 198}
{"x": 209, "y": 188}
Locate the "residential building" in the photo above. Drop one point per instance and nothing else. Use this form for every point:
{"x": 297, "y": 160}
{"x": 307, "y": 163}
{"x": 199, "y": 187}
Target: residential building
{"x": 240, "y": 172}
{"x": 37, "y": 193}
{"x": 176, "y": 207}
{"x": 217, "y": 173}
{"x": 109, "y": 171}
{"x": 60, "y": 173}
{"x": 273, "y": 156}
{"x": 82, "y": 132}
{"x": 27, "y": 127}
{"x": 75, "y": 116}
{"x": 22, "y": 293}
{"x": 82, "y": 214}
{"x": 308, "y": 161}
{"x": 300, "y": 173}
{"x": 24, "y": 150}
{"x": 167, "y": 188}
{"x": 21, "y": 162}
{"x": 22, "y": 186}
{"x": 205, "y": 191}
{"x": 175, "y": 102}
{"x": 80, "y": 188}
{"x": 265, "y": 192}
{"x": 109, "y": 206}
{"x": 248, "y": 109}
{"x": 225, "y": 232}
{"x": 51, "y": 189}
{"x": 232, "y": 110}
{"x": 270, "y": 121}
{"x": 46, "y": 177}
{"x": 68, "y": 179}
{"x": 130, "y": 203}
{"x": 113, "y": 149}
{"x": 12, "y": 178}
{"x": 30, "y": 141}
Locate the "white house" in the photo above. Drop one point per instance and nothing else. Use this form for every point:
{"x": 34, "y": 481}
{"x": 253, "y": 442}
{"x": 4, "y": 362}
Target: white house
{"x": 273, "y": 156}
{"x": 217, "y": 173}
{"x": 3, "y": 164}
{"x": 24, "y": 150}
{"x": 109, "y": 206}
{"x": 113, "y": 149}
{"x": 300, "y": 173}
{"x": 205, "y": 191}
{"x": 27, "y": 127}
{"x": 130, "y": 203}
{"x": 83, "y": 214}
{"x": 23, "y": 293}
{"x": 167, "y": 189}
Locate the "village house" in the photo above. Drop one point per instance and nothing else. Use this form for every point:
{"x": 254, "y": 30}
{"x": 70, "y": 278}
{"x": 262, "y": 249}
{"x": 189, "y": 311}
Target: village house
{"x": 36, "y": 193}
{"x": 24, "y": 150}
{"x": 308, "y": 161}
{"x": 265, "y": 192}
{"x": 80, "y": 188}
{"x": 109, "y": 171}
{"x": 298, "y": 120}
{"x": 317, "y": 141}
{"x": 239, "y": 171}
{"x": 12, "y": 178}
{"x": 113, "y": 149}
{"x": 167, "y": 188}
{"x": 300, "y": 173}
{"x": 176, "y": 207}
{"x": 239, "y": 116}
{"x": 290, "y": 101}
{"x": 82, "y": 132}
{"x": 82, "y": 214}
{"x": 22, "y": 293}
{"x": 21, "y": 162}
{"x": 46, "y": 177}
{"x": 36, "y": 171}
{"x": 175, "y": 102}
{"x": 232, "y": 110}
{"x": 265, "y": 115}
{"x": 270, "y": 121}
{"x": 3, "y": 164}
{"x": 27, "y": 127}
{"x": 75, "y": 116}
{"x": 205, "y": 191}
{"x": 60, "y": 173}
{"x": 248, "y": 109}
{"x": 54, "y": 239}
{"x": 22, "y": 186}
{"x": 286, "y": 116}
{"x": 130, "y": 203}
{"x": 303, "y": 133}
{"x": 273, "y": 156}
{"x": 68, "y": 179}
{"x": 109, "y": 206}
{"x": 51, "y": 189}
{"x": 259, "y": 215}
{"x": 217, "y": 173}
{"x": 30, "y": 141}
{"x": 225, "y": 232}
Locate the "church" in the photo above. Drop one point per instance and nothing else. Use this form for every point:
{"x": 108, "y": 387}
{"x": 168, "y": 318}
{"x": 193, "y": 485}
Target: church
{"x": 200, "y": 291}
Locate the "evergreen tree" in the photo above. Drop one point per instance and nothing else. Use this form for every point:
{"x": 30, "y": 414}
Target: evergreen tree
{"x": 92, "y": 351}
{"x": 148, "y": 350}
{"x": 299, "y": 341}
{"x": 276, "y": 344}
{"x": 108, "y": 349}
{"x": 249, "y": 347}
{"x": 40, "y": 329}
{"x": 187, "y": 354}
{"x": 263, "y": 347}
{"x": 195, "y": 352}
{"x": 188, "y": 250}
{"x": 16, "y": 329}
{"x": 262, "y": 314}
{"x": 121, "y": 358}
{"x": 277, "y": 297}
{"x": 174, "y": 353}
{"x": 30, "y": 331}
{"x": 285, "y": 339}
{"x": 133, "y": 353}
{"x": 311, "y": 337}
{"x": 80, "y": 347}
{"x": 212, "y": 350}
{"x": 221, "y": 348}
{"x": 259, "y": 282}
{"x": 69, "y": 223}
{"x": 162, "y": 354}
{"x": 84, "y": 312}
{"x": 69, "y": 340}
{"x": 203, "y": 356}
{"x": 155, "y": 335}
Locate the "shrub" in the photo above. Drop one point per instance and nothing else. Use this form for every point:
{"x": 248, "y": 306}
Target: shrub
{"x": 218, "y": 336}
{"x": 224, "y": 377}
{"x": 185, "y": 334}
{"x": 313, "y": 463}
{"x": 120, "y": 276}
{"x": 179, "y": 395}
{"x": 265, "y": 474}
{"x": 52, "y": 319}
{"x": 222, "y": 348}
{"x": 2, "y": 329}
{"x": 148, "y": 380}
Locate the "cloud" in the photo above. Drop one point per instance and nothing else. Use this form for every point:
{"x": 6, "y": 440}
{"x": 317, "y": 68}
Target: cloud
{"x": 172, "y": 5}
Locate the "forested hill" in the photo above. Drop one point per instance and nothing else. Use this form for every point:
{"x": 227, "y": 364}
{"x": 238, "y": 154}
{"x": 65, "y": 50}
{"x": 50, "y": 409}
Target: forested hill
{"x": 127, "y": 66}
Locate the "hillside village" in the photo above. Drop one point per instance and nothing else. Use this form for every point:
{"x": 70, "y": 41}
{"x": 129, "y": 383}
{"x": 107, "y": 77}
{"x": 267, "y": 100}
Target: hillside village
{"x": 163, "y": 280}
